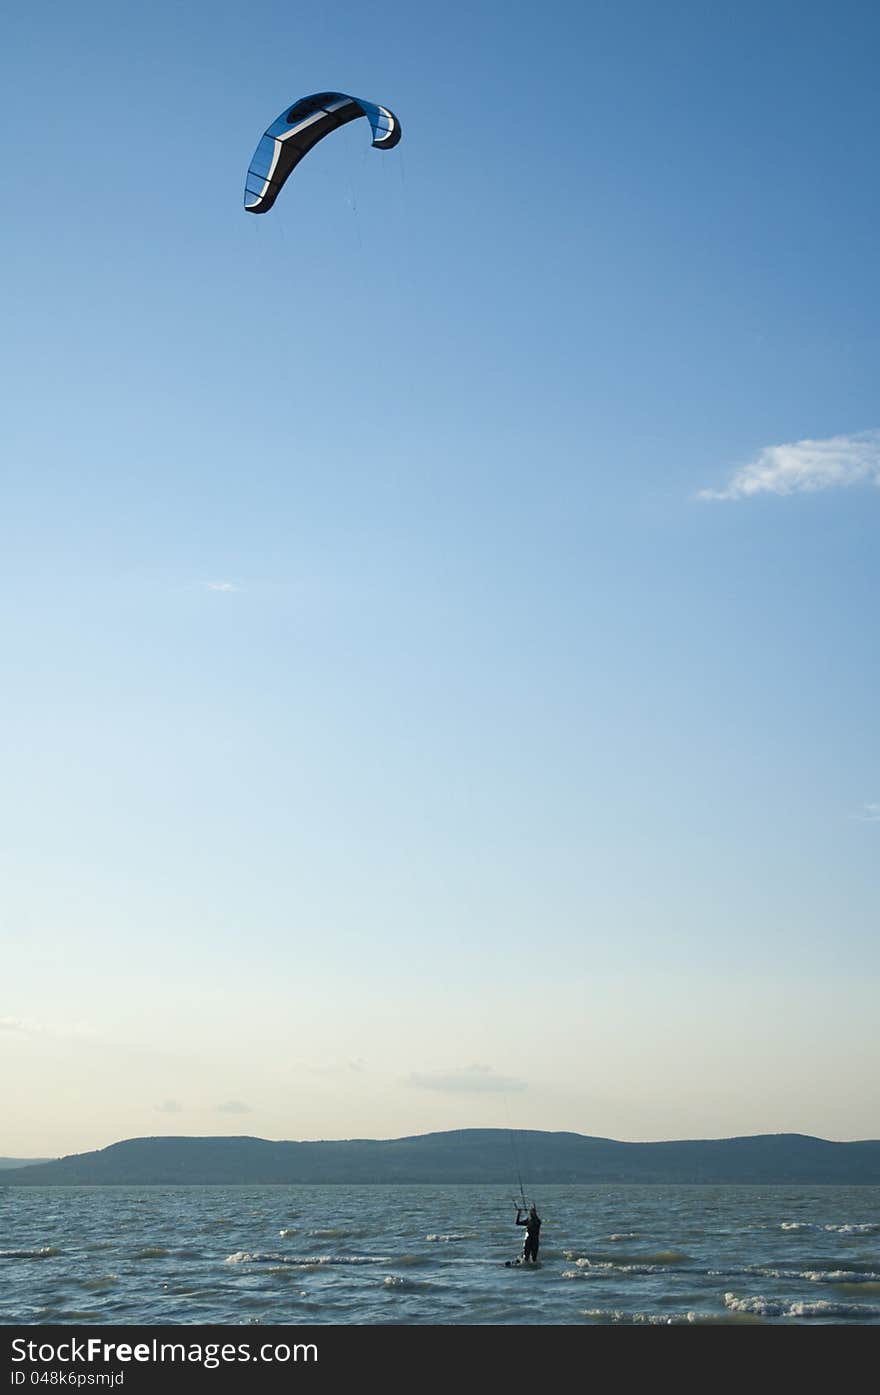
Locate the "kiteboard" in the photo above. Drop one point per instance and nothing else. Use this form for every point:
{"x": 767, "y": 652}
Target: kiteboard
{"x": 522, "y": 1264}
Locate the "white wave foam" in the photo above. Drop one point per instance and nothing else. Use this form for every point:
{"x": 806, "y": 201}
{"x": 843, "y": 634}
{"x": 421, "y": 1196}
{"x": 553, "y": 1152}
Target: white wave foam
{"x": 620, "y": 1315}
{"x": 844, "y": 1228}
{"x": 587, "y": 1269}
{"x": 818, "y": 1276}
{"x": 302, "y": 1261}
{"x": 798, "y": 1308}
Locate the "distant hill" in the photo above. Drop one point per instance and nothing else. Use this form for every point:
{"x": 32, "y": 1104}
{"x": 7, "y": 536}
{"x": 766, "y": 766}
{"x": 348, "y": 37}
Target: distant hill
{"x": 463, "y": 1155}
{"x": 20, "y": 1162}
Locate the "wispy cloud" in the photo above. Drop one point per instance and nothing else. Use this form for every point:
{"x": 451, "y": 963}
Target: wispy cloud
{"x": 469, "y": 1080}
{"x": 805, "y": 467}
{"x": 234, "y": 1107}
{"x": 57, "y": 1030}
{"x": 169, "y": 1107}
{"x": 870, "y": 813}
{"x": 334, "y": 1065}
{"x": 221, "y": 586}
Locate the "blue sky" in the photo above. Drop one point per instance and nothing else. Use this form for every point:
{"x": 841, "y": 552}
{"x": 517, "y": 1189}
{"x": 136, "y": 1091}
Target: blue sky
{"x": 439, "y": 650}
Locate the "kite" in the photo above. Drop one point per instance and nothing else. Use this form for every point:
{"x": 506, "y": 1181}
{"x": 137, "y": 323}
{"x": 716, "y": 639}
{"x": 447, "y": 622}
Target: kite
{"x": 297, "y": 130}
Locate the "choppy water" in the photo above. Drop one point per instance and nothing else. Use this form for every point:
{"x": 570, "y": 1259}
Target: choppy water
{"x": 408, "y": 1255}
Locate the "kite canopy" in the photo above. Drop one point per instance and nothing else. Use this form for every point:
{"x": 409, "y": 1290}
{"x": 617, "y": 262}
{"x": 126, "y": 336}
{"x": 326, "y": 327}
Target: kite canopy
{"x": 297, "y": 129}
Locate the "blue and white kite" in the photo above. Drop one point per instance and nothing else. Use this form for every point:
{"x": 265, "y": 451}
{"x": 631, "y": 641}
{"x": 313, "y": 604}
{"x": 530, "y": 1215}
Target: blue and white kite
{"x": 293, "y": 134}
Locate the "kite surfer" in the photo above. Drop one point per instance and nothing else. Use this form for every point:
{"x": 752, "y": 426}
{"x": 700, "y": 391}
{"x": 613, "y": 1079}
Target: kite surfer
{"x": 532, "y": 1223}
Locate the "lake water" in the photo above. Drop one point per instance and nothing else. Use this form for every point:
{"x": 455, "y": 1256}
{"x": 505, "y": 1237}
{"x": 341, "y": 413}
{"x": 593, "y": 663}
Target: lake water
{"x": 436, "y": 1255}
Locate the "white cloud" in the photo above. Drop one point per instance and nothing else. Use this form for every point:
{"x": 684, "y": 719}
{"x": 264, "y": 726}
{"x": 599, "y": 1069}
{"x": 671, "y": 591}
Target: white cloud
{"x": 470, "y": 1079}
{"x": 221, "y": 586}
{"x": 805, "y": 467}
{"x": 169, "y": 1107}
{"x": 234, "y": 1107}
{"x": 870, "y": 813}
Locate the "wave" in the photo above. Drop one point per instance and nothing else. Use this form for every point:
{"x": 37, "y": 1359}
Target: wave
{"x": 660, "y": 1263}
{"x": 604, "y": 1271}
{"x": 844, "y": 1228}
{"x": 664, "y": 1258}
{"x": 454, "y": 1235}
{"x": 46, "y": 1252}
{"x": 798, "y": 1308}
{"x": 100, "y": 1281}
{"x": 689, "y": 1319}
{"x": 304, "y": 1261}
{"x": 53, "y": 1315}
{"x": 816, "y": 1276}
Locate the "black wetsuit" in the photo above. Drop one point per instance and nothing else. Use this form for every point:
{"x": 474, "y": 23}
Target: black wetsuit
{"x": 532, "y": 1223}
